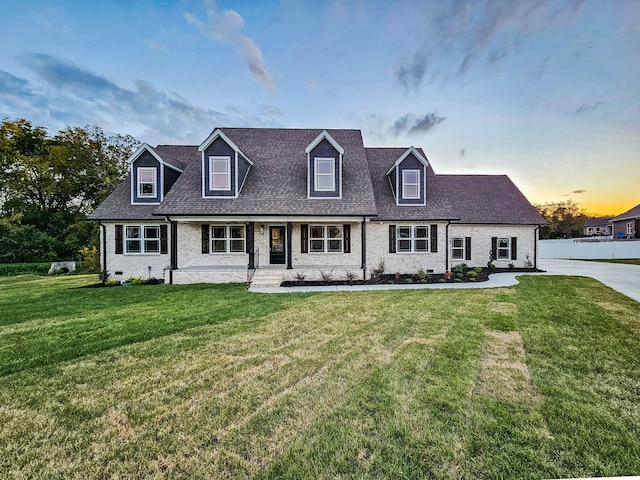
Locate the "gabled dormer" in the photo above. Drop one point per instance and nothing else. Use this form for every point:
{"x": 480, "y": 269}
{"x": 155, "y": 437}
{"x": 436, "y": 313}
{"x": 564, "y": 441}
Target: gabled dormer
{"x": 151, "y": 176}
{"x": 408, "y": 178}
{"x": 224, "y": 167}
{"x": 324, "y": 167}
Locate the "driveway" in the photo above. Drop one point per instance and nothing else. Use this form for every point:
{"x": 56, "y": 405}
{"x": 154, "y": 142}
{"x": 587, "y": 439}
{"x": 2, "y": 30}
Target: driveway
{"x": 623, "y": 278}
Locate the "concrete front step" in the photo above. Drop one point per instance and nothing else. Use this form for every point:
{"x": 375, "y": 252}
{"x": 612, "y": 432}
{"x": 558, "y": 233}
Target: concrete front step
{"x": 267, "y": 278}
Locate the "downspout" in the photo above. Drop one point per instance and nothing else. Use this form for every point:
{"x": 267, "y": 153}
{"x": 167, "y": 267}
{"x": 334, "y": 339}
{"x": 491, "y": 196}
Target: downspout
{"x": 363, "y": 247}
{"x": 446, "y": 247}
{"x": 104, "y": 246}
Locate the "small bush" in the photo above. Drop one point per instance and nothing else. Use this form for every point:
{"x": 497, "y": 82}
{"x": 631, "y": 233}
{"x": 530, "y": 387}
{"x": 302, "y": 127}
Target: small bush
{"x": 112, "y": 282}
{"x": 477, "y": 269}
{"x": 459, "y": 268}
{"x": 512, "y": 265}
{"x": 459, "y": 275}
{"x": 408, "y": 280}
{"x": 300, "y": 277}
{"x": 422, "y": 274}
{"x": 351, "y": 276}
{"x": 90, "y": 259}
{"x": 472, "y": 274}
{"x": 326, "y": 276}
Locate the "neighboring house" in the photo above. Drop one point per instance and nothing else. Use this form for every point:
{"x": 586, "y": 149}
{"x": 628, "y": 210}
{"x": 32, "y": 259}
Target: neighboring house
{"x": 627, "y": 225}
{"x": 596, "y": 227}
{"x": 304, "y": 200}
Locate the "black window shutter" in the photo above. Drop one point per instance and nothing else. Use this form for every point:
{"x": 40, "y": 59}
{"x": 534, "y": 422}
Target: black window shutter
{"x": 434, "y": 238}
{"x": 514, "y": 248}
{"x": 205, "y": 238}
{"x": 467, "y": 248}
{"x": 494, "y": 248}
{"x": 346, "y": 232}
{"x": 163, "y": 239}
{"x": 392, "y": 239}
{"x": 119, "y": 240}
{"x": 304, "y": 238}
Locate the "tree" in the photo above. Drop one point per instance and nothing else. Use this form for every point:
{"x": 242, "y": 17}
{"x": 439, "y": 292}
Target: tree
{"x": 52, "y": 183}
{"x": 564, "y": 219}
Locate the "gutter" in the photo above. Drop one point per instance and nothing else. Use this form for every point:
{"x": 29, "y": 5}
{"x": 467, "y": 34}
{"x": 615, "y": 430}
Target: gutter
{"x": 446, "y": 246}
{"x": 535, "y": 247}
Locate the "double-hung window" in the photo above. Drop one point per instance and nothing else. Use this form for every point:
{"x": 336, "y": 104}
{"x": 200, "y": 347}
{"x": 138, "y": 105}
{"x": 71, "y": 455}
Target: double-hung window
{"x": 457, "y": 248}
{"x": 228, "y": 239}
{"x": 412, "y": 238}
{"x": 325, "y": 174}
{"x": 142, "y": 239}
{"x": 323, "y": 239}
{"x": 629, "y": 228}
{"x": 504, "y": 248}
{"x": 411, "y": 184}
{"x": 147, "y": 182}
{"x": 220, "y": 173}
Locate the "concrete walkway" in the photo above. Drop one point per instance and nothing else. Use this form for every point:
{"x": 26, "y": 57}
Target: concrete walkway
{"x": 623, "y": 278}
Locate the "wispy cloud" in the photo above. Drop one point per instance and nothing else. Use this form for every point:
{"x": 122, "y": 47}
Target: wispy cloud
{"x": 74, "y": 95}
{"x": 411, "y": 124}
{"x": 463, "y": 33}
{"x": 587, "y": 107}
{"x": 227, "y": 26}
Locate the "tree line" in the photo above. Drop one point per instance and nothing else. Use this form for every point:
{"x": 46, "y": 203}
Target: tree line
{"x": 49, "y": 184}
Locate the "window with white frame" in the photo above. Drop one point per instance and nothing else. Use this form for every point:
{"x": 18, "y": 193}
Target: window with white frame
{"x": 457, "y": 248}
{"x": 228, "y": 239}
{"x": 147, "y": 182}
{"x": 504, "y": 248}
{"x": 411, "y": 184}
{"x": 325, "y": 174}
{"x": 220, "y": 173}
{"x": 142, "y": 239}
{"x": 412, "y": 238}
{"x": 325, "y": 239}
{"x": 629, "y": 228}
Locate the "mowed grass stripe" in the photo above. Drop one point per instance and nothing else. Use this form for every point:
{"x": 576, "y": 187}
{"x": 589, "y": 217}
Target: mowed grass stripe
{"x": 373, "y": 385}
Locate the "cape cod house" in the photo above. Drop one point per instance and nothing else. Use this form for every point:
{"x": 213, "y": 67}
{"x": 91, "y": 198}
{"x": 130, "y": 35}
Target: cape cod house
{"x": 285, "y": 201}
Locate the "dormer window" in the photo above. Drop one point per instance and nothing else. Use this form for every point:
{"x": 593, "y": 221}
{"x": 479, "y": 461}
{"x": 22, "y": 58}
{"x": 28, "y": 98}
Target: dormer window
{"x": 147, "y": 182}
{"x": 325, "y": 174}
{"x": 411, "y": 184}
{"x": 220, "y": 173}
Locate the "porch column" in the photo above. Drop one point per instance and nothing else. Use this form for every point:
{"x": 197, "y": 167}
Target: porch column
{"x": 250, "y": 245}
{"x": 363, "y": 246}
{"x": 173, "y": 254}
{"x": 289, "y": 245}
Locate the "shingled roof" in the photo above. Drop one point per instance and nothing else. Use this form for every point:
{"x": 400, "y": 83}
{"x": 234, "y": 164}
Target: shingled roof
{"x": 462, "y": 198}
{"x": 628, "y": 215}
{"x": 277, "y": 185}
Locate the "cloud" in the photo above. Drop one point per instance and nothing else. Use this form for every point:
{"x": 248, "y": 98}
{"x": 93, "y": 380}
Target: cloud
{"x": 410, "y": 76}
{"x": 411, "y": 124}
{"x": 74, "y": 95}
{"x": 463, "y": 33}
{"x": 226, "y": 26}
{"x": 587, "y": 107}
{"x": 579, "y": 191}
{"x": 462, "y": 153}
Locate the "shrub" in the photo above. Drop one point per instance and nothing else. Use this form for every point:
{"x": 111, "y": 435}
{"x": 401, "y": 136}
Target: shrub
{"x": 300, "y": 276}
{"x": 351, "y": 276}
{"x": 112, "y": 282}
{"x": 408, "y": 280}
{"x": 459, "y": 275}
{"x": 326, "y": 276}
{"x": 472, "y": 274}
{"x": 459, "y": 268}
{"x": 477, "y": 269}
{"x": 512, "y": 265}
{"x": 90, "y": 259}
{"x": 421, "y": 274}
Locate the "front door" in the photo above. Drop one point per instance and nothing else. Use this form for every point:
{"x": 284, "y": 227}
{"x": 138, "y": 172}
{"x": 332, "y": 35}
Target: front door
{"x": 276, "y": 245}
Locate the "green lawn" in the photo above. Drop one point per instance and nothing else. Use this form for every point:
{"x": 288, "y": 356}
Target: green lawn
{"x": 541, "y": 380}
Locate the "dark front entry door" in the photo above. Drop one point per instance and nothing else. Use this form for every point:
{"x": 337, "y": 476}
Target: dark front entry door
{"x": 276, "y": 245}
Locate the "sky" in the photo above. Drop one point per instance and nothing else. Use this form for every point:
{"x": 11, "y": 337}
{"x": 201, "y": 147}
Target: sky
{"x": 545, "y": 91}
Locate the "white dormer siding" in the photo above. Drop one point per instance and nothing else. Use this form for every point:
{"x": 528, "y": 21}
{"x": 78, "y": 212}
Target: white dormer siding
{"x": 224, "y": 167}
{"x": 408, "y": 179}
{"x": 324, "y": 167}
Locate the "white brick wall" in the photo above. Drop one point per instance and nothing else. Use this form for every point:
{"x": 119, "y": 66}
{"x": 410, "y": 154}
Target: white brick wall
{"x": 481, "y": 243}
{"x": 134, "y": 265}
{"x": 190, "y": 250}
{"x": 378, "y": 250}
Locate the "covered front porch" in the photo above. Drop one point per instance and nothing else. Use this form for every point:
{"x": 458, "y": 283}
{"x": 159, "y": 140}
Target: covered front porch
{"x": 266, "y": 250}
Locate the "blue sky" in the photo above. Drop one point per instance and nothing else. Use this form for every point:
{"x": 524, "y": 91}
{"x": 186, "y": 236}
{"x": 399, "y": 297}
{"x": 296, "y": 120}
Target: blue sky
{"x": 546, "y": 91}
